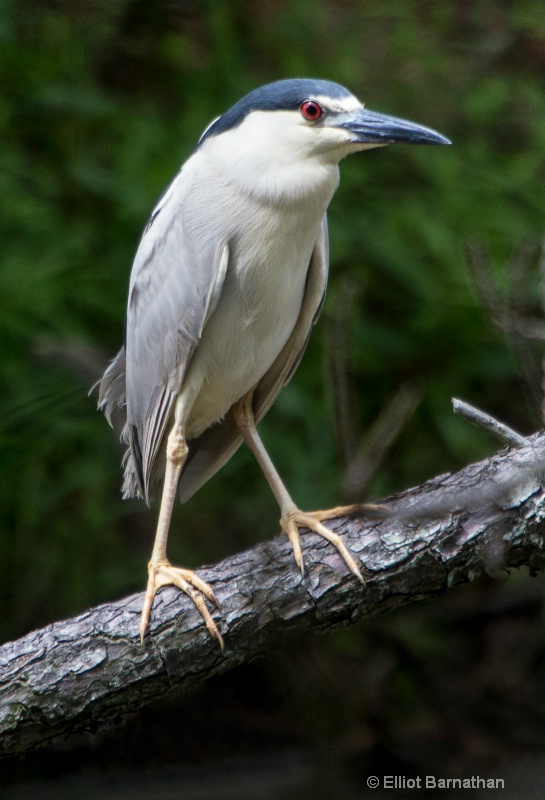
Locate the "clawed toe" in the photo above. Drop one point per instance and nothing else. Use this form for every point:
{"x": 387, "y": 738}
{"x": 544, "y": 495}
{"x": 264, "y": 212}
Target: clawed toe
{"x": 164, "y": 574}
{"x": 294, "y": 519}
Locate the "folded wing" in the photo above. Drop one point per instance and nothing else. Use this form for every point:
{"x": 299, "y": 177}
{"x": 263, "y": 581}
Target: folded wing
{"x": 175, "y": 283}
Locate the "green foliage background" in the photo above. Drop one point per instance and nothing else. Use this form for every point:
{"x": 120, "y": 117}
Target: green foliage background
{"x": 99, "y": 104}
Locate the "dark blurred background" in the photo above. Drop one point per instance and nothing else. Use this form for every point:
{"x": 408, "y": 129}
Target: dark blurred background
{"x": 435, "y": 290}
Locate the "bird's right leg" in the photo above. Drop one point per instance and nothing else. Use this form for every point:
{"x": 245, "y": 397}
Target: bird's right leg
{"x": 160, "y": 570}
{"x": 291, "y": 517}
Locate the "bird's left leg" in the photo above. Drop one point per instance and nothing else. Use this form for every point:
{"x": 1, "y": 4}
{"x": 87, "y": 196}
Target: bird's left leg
{"x": 160, "y": 570}
{"x": 291, "y": 518}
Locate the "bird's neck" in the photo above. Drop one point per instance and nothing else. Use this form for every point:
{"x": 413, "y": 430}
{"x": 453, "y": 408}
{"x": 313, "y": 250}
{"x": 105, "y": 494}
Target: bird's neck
{"x": 275, "y": 178}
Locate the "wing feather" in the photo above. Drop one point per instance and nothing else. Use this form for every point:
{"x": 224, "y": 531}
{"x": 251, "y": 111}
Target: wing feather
{"x": 176, "y": 279}
{"x": 111, "y": 394}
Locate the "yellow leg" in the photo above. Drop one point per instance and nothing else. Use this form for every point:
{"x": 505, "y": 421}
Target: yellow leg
{"x": 160, "y": 571}
{"x": 292, "y": 518}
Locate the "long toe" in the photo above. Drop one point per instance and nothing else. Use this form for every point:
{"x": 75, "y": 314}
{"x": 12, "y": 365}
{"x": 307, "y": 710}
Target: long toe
{"x": 365, "y": 509}
{"x": 164, "y": 574}
{"x": 295, "y": 519}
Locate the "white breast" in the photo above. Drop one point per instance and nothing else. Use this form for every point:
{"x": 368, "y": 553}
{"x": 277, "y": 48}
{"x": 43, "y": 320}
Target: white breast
{"x": 271, "y": 235}
{"x": 255, "y": 315}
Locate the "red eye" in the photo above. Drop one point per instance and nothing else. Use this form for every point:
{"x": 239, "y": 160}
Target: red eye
{"x": 311, "y": 110}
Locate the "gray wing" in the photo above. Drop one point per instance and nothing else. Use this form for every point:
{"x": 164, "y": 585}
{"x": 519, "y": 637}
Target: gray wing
{"x": 215, "y": 446}
{"x": 175, "y": 283}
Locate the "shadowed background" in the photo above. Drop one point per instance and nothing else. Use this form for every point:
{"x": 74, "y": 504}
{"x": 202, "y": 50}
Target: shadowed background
{"x": 100, "y": 103}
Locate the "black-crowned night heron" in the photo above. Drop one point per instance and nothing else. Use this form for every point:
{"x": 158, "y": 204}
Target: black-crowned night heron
{"x": 227, "y": 281}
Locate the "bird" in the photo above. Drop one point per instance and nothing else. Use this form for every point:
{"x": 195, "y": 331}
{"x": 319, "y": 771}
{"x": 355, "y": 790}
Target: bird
{"x": 228, "y": 279}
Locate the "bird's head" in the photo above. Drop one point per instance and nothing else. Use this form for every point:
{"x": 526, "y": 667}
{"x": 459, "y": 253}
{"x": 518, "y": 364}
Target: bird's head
{"x": 284, "y": 130}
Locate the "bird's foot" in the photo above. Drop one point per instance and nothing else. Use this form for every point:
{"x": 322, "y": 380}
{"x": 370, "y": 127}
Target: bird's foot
{"x": 162, "y": 573}
{"x": 292, "y": 520}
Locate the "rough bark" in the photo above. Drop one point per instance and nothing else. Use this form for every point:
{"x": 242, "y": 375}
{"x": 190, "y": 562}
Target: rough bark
{"x": 87, "y": 672}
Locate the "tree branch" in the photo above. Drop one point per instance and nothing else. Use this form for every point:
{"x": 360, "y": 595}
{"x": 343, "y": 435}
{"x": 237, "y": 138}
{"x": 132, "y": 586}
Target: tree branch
{"x": 494, "y": 427}
{"x": 86, "y": 672}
